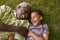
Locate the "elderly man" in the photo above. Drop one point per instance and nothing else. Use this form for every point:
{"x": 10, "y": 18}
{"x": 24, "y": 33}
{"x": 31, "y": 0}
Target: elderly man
{"x": 14, "y": 20}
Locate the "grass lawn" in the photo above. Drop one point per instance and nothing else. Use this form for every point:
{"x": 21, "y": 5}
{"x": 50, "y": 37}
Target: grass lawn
{"x": 51, "y": 11}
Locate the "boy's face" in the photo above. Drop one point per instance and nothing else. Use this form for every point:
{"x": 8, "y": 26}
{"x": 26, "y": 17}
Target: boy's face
{"x": 35, "y": 18}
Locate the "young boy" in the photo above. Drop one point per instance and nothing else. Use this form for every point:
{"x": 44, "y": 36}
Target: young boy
{"x": 37, "y": 31}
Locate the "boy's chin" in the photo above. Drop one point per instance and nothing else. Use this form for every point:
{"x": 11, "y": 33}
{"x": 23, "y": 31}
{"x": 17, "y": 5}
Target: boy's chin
{"x": 35, "y": 24}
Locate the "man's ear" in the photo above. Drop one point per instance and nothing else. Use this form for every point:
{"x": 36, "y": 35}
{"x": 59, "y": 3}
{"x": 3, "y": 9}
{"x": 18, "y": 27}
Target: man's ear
{"x": 41, "y": 17}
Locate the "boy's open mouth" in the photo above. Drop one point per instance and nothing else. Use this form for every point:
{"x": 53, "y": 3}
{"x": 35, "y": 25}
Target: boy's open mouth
{"x": 34, "y": 22}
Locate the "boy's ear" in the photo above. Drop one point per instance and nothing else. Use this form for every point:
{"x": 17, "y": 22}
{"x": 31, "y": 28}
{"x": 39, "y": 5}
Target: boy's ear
{"x": 41, "y": 17}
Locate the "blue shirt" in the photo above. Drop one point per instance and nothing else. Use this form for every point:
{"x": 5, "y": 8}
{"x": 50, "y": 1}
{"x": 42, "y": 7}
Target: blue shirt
{"x": 38, "y": 30}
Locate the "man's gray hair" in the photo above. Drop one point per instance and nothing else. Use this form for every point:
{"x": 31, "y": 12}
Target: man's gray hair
{"x": 24, "y": 4}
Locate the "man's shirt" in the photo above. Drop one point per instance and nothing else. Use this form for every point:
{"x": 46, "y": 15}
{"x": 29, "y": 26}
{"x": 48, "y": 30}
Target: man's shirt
{"x": 8, "y": 16}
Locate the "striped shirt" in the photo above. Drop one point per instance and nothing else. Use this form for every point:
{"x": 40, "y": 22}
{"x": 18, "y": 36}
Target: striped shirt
{"x": 8, "y": 16}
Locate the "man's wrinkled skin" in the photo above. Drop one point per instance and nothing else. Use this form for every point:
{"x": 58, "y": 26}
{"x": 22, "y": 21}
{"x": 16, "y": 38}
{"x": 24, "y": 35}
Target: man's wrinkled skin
{"x": 21, "y": 13}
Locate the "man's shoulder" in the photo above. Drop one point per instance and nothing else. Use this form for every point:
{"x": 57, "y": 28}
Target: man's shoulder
{"x": 5, "y": 13}
{"x": 4, "y": 8}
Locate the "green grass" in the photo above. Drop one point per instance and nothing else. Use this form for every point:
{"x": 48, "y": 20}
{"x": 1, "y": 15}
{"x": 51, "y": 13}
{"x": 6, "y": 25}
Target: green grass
{"x": 51, "y": 11}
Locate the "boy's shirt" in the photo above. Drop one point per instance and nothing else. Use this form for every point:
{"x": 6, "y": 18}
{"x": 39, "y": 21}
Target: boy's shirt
{"x": 8, "y": 16}
{"x": 38, "y": 30}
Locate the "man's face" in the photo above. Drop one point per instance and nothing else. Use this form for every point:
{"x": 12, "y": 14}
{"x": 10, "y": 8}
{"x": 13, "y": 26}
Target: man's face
{"x": 22, "y": 13}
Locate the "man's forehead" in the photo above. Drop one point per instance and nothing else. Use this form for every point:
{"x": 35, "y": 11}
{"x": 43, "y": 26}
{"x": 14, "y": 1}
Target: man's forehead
{"x": 22, "y": 8}
{"x": 24, "y": 4}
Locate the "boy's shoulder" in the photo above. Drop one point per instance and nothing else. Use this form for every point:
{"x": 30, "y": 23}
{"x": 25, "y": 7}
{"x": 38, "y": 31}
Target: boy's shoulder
{"x": 45, "y": 28}
{"x": 44, "y": 25}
